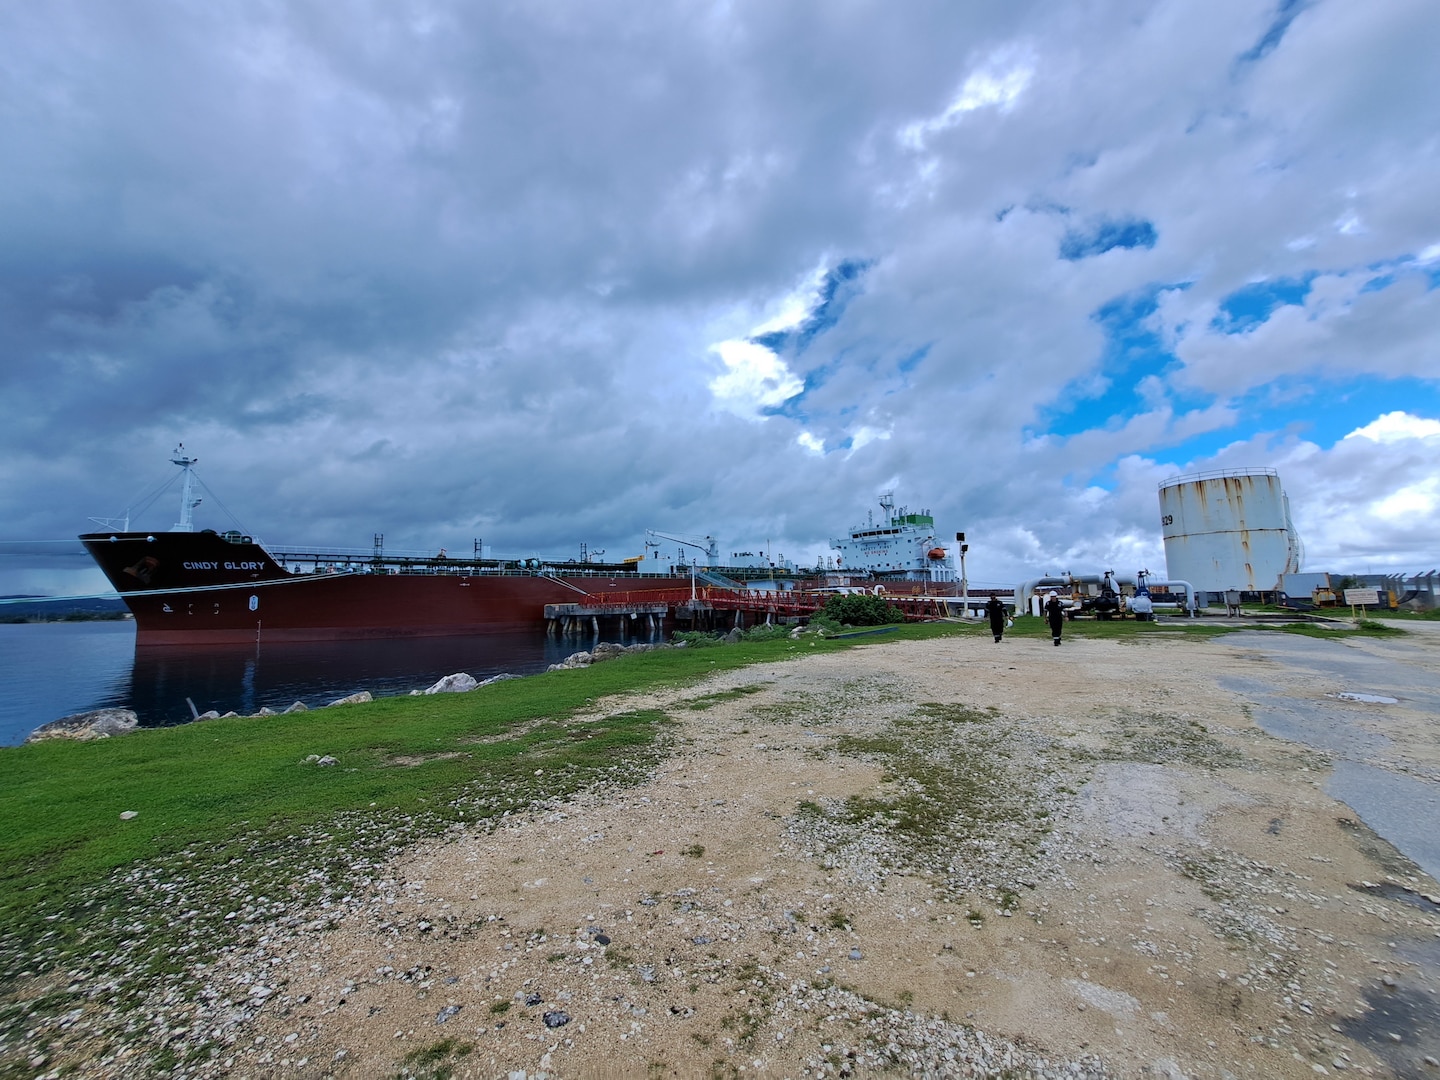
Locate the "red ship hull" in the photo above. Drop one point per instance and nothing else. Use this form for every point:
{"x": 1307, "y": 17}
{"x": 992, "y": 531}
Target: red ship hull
{"x": 203, "y": 589}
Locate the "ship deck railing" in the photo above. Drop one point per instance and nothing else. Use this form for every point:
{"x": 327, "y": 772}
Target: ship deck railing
{"x": 917, "y": 608}
{"x": 783, "y": 603}
{"x": 310, "y": 561}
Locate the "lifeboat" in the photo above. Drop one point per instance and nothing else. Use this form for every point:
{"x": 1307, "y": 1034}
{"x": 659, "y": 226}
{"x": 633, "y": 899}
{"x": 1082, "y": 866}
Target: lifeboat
{"x": 937, "y": 553}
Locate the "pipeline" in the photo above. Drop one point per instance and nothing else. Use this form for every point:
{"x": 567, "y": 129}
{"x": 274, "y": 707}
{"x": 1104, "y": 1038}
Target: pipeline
{"x": 1026, "y": 589}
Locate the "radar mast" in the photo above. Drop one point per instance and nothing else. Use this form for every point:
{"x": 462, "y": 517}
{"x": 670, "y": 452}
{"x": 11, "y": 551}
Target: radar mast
{"x": 187, "y": 500}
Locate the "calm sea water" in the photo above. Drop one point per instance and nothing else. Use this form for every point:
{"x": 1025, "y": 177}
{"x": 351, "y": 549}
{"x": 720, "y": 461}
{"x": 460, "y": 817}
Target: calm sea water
{"x": 50, "y": 670}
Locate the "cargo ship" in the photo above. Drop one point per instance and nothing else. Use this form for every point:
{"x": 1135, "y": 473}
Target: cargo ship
{"x": 201, "y": 587}
{"x": 901, "y": 551}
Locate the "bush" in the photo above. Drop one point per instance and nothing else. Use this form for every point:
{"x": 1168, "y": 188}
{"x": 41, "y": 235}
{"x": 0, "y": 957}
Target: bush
{"x": 766, "y": 633}
{"x": 695, "y": 639}
{"x": 858, "y": 609}
{"x": 1374, "y": 626}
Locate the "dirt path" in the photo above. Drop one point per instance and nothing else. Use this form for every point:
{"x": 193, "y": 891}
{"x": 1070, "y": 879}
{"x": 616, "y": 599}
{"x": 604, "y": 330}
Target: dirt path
{"x": 944, "y": 858}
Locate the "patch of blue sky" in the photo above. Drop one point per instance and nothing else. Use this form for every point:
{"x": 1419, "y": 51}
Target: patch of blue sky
{"x": 1201, "y": 446}
{"x": 1324, "y": 411}
{"x": 1432, "y": 271}
{"x": 1115, "y": 406}
{"x": 793, "y": 406}
{"x": 1106, "y": 235}
{"x": 1133, "y": 351}
{"x": 1320, "y": 411}
{"x": 1316, "y": 410}
{"x": 1249, "y": 306}
{"x": 909, "y": 363}
{"x": 1275, "y": 32}
{"x": 840, "y": 285}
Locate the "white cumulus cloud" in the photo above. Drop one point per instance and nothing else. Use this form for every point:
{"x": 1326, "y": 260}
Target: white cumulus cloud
{"x": 993, "y": 87}
{"x": 754, "y": 378}
{"x": 1397, "y": 426}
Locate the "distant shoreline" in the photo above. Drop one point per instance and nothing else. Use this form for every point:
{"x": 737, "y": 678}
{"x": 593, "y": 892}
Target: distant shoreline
{"x": 68, "y": 617}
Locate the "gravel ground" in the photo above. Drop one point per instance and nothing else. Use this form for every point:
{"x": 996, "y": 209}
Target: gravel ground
{"x": 947, "y": 858}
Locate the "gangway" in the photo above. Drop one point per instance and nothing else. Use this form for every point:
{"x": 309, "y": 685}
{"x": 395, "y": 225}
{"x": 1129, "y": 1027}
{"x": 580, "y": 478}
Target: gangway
{"x": 710, "y": 577}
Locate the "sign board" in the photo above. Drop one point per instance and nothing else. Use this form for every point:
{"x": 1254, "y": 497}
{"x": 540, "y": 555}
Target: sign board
{"x": 1361, "y": 597}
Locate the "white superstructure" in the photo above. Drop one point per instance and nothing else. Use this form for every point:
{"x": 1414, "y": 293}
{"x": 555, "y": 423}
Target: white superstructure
{"x": 900, "y": 546}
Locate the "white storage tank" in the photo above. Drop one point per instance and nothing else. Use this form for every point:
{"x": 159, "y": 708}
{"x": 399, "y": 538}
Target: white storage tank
{"x": 1228, "y": 530}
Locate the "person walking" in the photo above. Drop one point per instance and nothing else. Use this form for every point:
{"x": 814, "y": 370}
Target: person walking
{"x": 1055, "y": 615}
{"x": 996, "y": 610}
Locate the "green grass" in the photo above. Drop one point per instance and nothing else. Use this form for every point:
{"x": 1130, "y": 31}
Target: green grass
{"x": 221, "y": 790}
{"x": 202, "y": 783}
{"x": 1331, "y": 631}
{"x": 1030, "y": 626}
{"x": 234, "y": 829}
{"x": 204, "y": 788}
{"x": 709, "y": 701}
{"x": 434, "y": 1062}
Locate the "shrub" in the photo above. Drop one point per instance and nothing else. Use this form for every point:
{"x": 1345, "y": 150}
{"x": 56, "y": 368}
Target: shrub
{"x": 858, "y": 609}
{"x": 766, "y": 633}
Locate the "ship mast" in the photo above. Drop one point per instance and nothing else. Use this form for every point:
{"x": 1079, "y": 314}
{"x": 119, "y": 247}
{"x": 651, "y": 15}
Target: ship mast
{"x": 887, "y": 503}
{"x": 187, "y": 501}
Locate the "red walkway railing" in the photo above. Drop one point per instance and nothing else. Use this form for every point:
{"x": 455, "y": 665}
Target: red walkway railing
{"x": 785, "y": 602}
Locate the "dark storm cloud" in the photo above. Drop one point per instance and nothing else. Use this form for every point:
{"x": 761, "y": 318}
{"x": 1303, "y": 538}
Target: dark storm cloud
{"x": 443, "y": 270}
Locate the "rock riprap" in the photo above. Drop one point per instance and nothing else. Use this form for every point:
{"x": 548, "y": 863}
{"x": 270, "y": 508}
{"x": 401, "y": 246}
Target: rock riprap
{"x": 88, "y": 726}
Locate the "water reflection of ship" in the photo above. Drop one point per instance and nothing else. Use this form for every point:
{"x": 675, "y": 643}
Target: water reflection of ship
{"x": 245, "y": 678}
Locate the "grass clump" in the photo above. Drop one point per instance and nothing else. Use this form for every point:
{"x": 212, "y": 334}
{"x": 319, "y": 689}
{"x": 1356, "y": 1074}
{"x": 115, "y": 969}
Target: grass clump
{"x": 719, "y": 697}
{"x": 1329, "y": 631}
{"x": 434, "y": 1062}
{"x": 957, "y": 801}
{"x": 1159, "y": 739}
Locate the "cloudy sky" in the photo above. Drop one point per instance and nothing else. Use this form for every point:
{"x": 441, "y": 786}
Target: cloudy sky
{"x": 555, "y": 272}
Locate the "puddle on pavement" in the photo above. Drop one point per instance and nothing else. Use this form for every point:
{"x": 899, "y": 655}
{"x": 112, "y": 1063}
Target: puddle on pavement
{"x": 1401, "y": 1026}
{"x": 1369, "y": 699}
{"x": 1398, "y": 892}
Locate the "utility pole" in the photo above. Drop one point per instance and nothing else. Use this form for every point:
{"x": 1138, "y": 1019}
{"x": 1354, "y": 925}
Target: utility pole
{"x": 964, "y": 584}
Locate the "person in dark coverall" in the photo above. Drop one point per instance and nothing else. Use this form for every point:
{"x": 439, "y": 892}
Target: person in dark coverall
{"x": 1055, "y": 614}
{"x": 996, "y": 610}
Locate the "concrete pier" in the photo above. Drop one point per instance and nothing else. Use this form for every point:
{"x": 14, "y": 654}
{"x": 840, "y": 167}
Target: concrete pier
{"x": 566, "y": 619}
